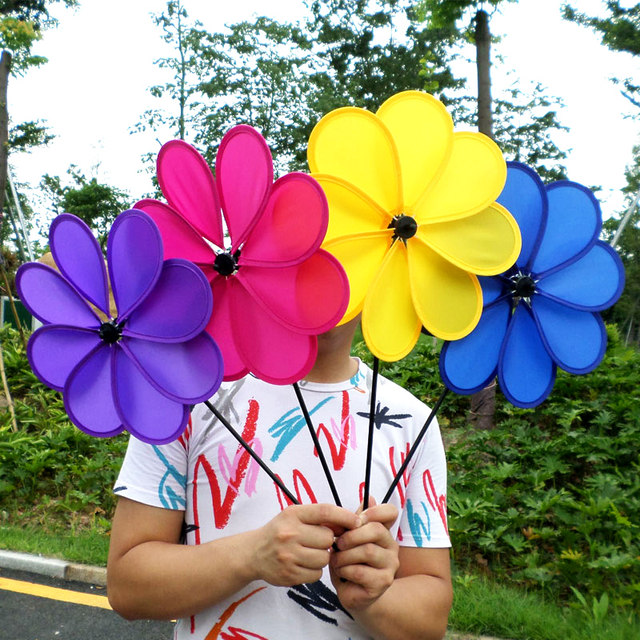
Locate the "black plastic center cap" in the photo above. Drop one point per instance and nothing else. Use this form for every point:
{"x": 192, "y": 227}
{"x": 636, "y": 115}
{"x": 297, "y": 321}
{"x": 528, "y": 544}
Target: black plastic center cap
{"x": 524, "y": 286}
{"x": 405, "y": 227}
{"x": 225, "y": 264}
{"x": 110, "y": 332}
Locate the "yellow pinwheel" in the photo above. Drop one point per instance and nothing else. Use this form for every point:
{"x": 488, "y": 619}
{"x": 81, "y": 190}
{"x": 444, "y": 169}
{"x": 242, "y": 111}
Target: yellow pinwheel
{"x": 412, "y": 218}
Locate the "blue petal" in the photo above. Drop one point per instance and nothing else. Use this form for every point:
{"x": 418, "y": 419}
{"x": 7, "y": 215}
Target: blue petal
{"x": 525, "y": 197}
{"x": 573, "y": 225}
{"x": 526, "y": 372}
{"x": 575, "y": 339}
{"x": 469, "y": 364}
{"x": 591, "y": 283}
{"x": 492, "y": 289}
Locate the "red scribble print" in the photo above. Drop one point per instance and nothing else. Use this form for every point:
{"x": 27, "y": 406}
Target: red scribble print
{"x": 222, "y": 508}
{"x": 226, "y": 614}
{"x": 436, "y": 502}
{"x": 343, "y": 433}
{"x": 299, "y": 481}
{"x": 404, "y": 481}
{"x": 240, "y": 634}
{"x": 186, "y": 435}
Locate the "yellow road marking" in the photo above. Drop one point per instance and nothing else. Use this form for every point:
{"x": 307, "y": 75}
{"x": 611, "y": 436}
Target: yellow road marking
{"x": 53, "y": 593}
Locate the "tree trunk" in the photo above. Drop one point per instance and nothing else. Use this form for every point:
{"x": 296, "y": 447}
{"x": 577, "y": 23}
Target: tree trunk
{"x": 483, "y": 402}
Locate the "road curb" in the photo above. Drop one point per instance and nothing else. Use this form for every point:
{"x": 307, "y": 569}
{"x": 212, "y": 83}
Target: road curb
{"x": 52, "y": 567}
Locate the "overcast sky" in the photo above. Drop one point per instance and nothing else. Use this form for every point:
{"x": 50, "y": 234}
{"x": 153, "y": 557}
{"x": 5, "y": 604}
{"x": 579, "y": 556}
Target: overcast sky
{"x": 95, "y": 86}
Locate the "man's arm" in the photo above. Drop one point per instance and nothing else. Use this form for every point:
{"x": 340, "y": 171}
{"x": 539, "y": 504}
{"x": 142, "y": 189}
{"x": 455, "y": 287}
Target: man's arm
{"x": 151, "y": 575}
{"x": 394, "y": 592}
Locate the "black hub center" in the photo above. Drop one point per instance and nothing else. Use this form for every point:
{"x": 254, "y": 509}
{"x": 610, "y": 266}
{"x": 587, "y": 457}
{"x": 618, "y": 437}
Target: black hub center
{"x": 110, "y": 332}
{"x": 405, "y": 227}
{"x": 226, "y": 263}
{"x": 524, "y": 286}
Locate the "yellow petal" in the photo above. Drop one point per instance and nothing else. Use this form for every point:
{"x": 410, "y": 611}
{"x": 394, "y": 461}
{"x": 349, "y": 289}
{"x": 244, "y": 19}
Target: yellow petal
{"x": 423, "y": 132}
{"x": 486, "y": 243}
{"x": 447, "y": 299}
{"x": 390, "y": 325}
{"x": 360, "y": 256}
{"x": 350, "y": 210}
{"x": 354, "y": 145}
{"x": 472, "y": 179}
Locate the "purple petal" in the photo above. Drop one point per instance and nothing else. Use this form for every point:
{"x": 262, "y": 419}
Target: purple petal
{"x": 526, "y": 372}
{"x": 178, "y": 308}
{"x": 54, "y": 351}
{"x": 469, "y": 364}
{"x": 88, "y": 394}
{"x": 79, "y": 258}
{"x": 575, "y": 339}
{"x": 187, "y": 372}
{"x": 51, "y": 299}
{"x": 134, "y": 253}
{"x": 147, "y": 414}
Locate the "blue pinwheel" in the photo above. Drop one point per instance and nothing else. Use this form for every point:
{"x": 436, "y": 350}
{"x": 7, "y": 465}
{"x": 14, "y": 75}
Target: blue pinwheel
{"x": 543, "y": 312}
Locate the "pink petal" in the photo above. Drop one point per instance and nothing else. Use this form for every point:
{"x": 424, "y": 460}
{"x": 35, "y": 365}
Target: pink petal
{"x": 220, "y": 328}
{"x": 292, "y": 226}
{"x": 244, "y": 172}
{"x": 271, "y": 351}
{"x": 308, "y": 298}
{"x": 188, "y": 185}
{"x": 179, "y": 238}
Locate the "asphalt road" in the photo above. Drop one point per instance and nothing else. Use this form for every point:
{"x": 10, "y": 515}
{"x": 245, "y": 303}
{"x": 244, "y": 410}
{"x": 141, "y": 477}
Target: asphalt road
{"x": 35, "y": 617}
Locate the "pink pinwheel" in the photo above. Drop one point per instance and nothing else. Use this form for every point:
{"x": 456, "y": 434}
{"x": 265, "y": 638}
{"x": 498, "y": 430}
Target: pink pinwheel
{"x": 274, "y": 288}
{"x": 141, "y": 369}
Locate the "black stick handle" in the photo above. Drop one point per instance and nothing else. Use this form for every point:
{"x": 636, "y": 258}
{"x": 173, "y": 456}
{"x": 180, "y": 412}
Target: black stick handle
{"x": 414, "y": 446}
{"x": 372, "y": 428}
{"x": 251, "y": 452}
{"x": 316, "y": 443}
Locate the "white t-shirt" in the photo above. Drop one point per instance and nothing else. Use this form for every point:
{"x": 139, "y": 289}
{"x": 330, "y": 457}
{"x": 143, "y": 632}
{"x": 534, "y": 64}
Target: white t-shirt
{"x": 223, "y": 491}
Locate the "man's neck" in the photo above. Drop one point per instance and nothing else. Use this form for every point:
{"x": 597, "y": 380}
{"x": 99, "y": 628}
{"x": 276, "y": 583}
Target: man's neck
{"x": 334, "y": 362}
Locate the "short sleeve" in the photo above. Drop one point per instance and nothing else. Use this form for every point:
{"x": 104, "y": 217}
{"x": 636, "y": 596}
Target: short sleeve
{"x": 155, "y": 475}
{"x": 423, "y": 521}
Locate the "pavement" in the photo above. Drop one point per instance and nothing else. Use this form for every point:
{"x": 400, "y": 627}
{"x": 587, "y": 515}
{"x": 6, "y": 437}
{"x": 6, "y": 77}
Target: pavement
{"x": 73, "y": 572}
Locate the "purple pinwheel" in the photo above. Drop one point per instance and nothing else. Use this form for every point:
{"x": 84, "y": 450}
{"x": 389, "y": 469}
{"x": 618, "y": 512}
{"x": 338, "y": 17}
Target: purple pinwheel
{"x": 137, "y": 371}
{"x": 275, "y": 289}
{"x": 543, "y": 312}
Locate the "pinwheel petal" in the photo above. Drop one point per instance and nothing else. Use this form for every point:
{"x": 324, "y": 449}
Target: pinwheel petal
{"x": 360, "y": 256}
{"x": 492, "y": 289}
{"x": 79, "y": 258}
{"x": 134, "y": 254}
{"x": 575, "y": 339}
{"x": 53, "y": 352}
{"x": 354, "y": 144}
{"x": 471, "y": 180}
{"x": 220, "y": 327}
{"x": 187, "y": 372}
{"x": 525, "y": 197}
{"x": 573, "y": 225}
{"x": 526, "y": 372}
{"x": 292, "y": 225}
{"x": 147, "y": 414}
{"x": 390, "y": 325}
{"x": 591, "y": 283}
{"x": 307, "y": 298}
{"x": 244, "y": 172}
{"x": 350, "y": 210}
{"x": 188, "y": 185}
{"x": 271, "y": 352}
{"x": 486, "y": 243}
{"x": 447, "y": 299}
{"x": 422, "y": 130}
{"x": 88, "y": 394}
{"x": 178, "y": 307}
{"x": 179, "y": 238}
{"x": 469, "y": 364}
{"x": 51, "y": 299}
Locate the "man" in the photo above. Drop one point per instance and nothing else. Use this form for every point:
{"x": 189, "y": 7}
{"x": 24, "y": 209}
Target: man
{"x": 255, "y": 567}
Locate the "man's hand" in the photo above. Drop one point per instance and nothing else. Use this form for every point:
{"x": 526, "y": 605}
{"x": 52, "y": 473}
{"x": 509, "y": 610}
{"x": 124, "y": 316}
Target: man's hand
{"x": 294, "y": 547}
{"x": 366, "y": 562}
